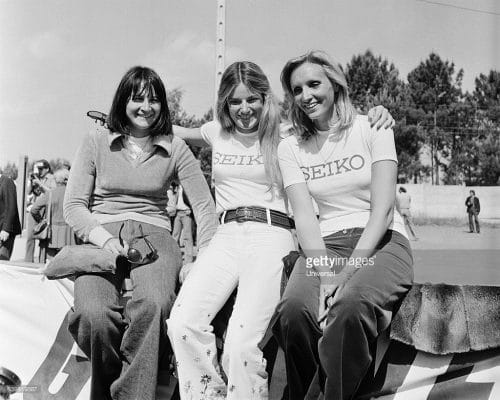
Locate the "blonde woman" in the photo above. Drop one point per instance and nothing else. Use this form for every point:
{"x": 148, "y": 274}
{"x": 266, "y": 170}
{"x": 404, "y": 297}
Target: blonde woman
{"x": 357, "y": 258}
{"x": 245, "y": 253}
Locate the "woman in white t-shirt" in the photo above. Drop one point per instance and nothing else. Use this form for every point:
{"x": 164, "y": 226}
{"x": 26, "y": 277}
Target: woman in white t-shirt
{"x": 247, "y": 250}
{"x": 357, "y": 261}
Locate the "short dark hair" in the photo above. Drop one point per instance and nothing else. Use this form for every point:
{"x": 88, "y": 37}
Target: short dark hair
{"x": 402, "y": 189}
{"x": 139, "y": 80}
{"x": 473, "y": 192}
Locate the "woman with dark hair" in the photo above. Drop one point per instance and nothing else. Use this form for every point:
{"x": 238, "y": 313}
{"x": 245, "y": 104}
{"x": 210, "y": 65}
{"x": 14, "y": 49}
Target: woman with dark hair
{"x": 245, "y": 253}
{"x": 357, "y": 262}
{"x": 116, "y": 199}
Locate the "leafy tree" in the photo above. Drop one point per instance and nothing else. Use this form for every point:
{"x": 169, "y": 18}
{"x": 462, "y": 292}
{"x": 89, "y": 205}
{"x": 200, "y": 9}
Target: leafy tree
{"x": 487, "y": 95}
{"x": 434, "y": 86}
{"x": 373, "y": 81}
{"x": 475, "y": 159}
{"x": 10, "y": 170}
{"x": 181, "y": 118}
{"x": 369, "y": 76}
{"x": 489, "y": 159}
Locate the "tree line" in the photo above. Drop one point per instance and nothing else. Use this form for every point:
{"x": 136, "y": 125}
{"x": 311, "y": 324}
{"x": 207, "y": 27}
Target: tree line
{"x": 459, "y": 131}
{"x": 456, "y": 132}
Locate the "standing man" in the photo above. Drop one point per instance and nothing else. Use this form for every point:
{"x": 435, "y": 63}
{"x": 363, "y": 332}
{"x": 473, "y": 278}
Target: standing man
{"x": 182, "y": 231}
{"x": 41, "y": 181}
{"x": 9, "y": 217}
{"x": 403, "y": 202}
{"x": 473, "y": 209}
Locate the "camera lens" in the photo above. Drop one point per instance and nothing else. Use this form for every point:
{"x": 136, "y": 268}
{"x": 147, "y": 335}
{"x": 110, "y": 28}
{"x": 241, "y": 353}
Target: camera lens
{"x": 133, "y": 255}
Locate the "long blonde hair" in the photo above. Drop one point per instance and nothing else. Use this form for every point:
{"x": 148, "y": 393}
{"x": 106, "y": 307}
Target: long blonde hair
{"x": 303, "y": 125}
{"x": 252, "y": 76}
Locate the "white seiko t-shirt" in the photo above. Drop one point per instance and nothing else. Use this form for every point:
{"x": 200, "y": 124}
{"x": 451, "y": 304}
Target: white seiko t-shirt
{"x": 238, "y": 170}
{"x": 338, "y": 173}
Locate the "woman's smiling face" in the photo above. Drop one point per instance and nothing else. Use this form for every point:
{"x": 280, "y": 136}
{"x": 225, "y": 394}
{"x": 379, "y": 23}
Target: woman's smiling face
{"x": 143, "y": 109}
{"x": 245, "y": 109}
{"x": 313, "y": 93}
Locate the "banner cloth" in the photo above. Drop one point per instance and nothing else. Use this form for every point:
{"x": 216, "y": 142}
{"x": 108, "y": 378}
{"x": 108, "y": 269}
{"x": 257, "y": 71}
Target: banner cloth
{"x": 35, "y": 344}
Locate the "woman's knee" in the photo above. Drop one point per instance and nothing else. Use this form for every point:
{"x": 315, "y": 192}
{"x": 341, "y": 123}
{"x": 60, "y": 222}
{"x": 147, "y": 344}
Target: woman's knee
{"x": 295, "y": 319}
{"x": 96, "y": 318}
{"x": 176, "y": 324}
{"x": 151, "y": 306}
{"x": 352, "y": 310}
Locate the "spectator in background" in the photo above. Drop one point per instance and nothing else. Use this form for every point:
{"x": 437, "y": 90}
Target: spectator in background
{"x": 9, "y": 217}
{"x": 41, "y": 181}
{"x": 182, "y": 231}
{"x": 403, "y": 202}
{"x": 172, "y": 201}
{"x": 473, "y": 209}
{"x": 61, "y": 233}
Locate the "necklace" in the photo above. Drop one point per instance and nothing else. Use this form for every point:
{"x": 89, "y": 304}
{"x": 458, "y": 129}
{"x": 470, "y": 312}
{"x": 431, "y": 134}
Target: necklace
{"x": 137, "y": 146}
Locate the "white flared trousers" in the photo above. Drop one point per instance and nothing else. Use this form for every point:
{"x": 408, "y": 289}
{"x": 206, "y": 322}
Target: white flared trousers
{"x": 248, "y": 256}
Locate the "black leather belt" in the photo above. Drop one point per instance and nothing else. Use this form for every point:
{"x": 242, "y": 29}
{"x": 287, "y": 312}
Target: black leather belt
{"x": 258, "y": 214}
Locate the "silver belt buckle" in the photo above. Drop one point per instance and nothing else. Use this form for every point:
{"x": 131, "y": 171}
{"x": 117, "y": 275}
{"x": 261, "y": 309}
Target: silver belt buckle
{"x": 242, "y": 214}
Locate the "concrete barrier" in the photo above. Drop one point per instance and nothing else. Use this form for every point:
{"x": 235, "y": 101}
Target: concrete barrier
{"x": 442, "y": 202}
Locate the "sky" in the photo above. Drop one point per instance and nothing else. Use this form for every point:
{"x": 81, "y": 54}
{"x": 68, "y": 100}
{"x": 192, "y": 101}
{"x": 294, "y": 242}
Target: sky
{"x": 62, "y": 58}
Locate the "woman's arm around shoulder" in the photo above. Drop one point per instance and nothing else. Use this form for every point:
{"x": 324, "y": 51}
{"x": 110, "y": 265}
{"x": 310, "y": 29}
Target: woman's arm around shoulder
{"x": 380, "y": 117}
{"x": 191, "y": 136}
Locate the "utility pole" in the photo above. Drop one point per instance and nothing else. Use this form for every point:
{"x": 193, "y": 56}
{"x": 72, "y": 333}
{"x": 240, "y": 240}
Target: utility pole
{"x": 220, "y": 47}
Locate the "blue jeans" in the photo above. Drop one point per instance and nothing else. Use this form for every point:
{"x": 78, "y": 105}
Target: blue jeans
{"x": 30, "y": 241}
{"x": 341, "y": 354}
{"x": 126, "y": 343}
{"x": 474, "y": 222}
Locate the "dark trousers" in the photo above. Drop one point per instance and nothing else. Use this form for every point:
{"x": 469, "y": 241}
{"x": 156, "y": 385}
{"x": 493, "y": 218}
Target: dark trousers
{"x": 341, "y": 354}
{"x": 7, "y": 247}
{"x": 30, "y": 241}
{"x": 125, "y": 345}
{"x": 474, "y": 222}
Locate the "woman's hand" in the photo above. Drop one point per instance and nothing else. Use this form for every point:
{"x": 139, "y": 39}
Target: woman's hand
{"x": 327, "y": 294}
{"x": 4, "y": 236}
{"x": 380, "y": 117}
{"x": 184, "y": 272}
{"x": 113, "y": 245}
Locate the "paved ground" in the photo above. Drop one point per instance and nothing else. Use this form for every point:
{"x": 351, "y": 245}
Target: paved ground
{"x": 442, "y": 254}
{"x": 447, "y": 254}
{"x": 452, "y": 255}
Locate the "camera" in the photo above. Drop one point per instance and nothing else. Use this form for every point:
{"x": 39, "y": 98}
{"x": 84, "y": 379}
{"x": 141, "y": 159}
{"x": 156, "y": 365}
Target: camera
{"x": 35, "y": 186}
{"x": 9, "y": 382}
